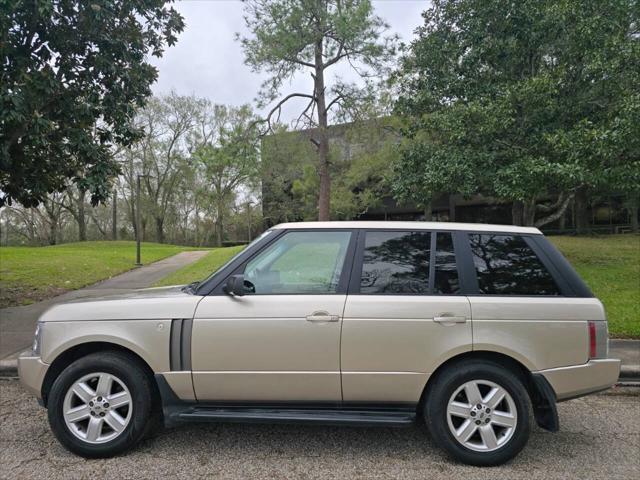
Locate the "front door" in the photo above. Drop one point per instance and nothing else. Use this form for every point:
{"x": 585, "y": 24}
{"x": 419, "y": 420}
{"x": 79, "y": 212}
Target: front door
{"x": 281, "y": 341}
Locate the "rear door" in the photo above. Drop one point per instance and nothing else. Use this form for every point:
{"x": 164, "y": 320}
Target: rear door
{"x": 280, "y": 342}
{"x": 404, "y": 315}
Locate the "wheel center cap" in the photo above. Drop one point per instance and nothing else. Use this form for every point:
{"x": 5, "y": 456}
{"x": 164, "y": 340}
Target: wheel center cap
{"x": 98, "y": 404}
{"x": 481, "y": 414}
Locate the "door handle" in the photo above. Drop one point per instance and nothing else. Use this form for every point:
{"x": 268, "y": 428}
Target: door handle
{"x": 449, "y": 319}
{"x": 322, "y": 316}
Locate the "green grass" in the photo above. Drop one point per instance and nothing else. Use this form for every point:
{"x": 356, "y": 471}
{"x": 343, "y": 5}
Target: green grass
{"x": 202, "y": 268}
{"x": 30, "y": 274}
{"x": 610, "y": 265}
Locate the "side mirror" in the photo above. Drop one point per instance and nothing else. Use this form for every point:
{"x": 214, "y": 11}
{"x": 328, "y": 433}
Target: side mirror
{"x": 235, "y": 285}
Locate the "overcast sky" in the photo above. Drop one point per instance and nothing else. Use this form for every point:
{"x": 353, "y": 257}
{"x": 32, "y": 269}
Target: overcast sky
{"x": 208, "y": 62}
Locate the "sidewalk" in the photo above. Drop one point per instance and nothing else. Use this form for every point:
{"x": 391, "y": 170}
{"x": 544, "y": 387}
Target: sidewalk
{"x": 629, "y": 352}
{"x": 17, "y": 324}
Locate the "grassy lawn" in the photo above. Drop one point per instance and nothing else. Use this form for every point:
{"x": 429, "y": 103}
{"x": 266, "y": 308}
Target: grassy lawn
{"x": 611, "y": 267}
{"x": 31, "y": 274}
{"x": 202, "y": 268}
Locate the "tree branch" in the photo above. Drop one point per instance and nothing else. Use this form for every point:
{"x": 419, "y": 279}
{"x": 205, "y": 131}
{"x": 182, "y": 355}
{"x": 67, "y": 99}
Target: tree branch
{"x": 557, "y": 214}
{"x": 278, "y": 107}
{"x": 335, "y": 100}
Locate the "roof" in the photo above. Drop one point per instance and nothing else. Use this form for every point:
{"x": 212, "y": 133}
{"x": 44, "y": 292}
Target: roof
{"x": 475, "y": 227}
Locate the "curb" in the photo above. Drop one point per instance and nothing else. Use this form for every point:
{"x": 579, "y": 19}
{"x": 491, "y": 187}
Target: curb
{"x": 630, "y": 371}
{"x": 8, "y": 368}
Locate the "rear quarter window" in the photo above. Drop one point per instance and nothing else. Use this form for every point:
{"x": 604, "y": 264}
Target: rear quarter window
{"x": 506, "y": 265}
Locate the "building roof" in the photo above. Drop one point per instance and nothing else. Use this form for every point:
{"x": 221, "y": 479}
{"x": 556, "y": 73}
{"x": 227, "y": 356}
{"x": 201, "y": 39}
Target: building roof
{"x": 475, "y": 227}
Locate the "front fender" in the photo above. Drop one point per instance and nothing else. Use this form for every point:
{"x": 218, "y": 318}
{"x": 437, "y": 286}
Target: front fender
{"x": 149, "y": 339}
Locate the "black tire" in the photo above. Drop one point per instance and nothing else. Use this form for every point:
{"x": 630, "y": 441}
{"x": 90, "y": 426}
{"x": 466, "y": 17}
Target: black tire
{"x": 448, "y": 382}
{"x": 127, "y": 369}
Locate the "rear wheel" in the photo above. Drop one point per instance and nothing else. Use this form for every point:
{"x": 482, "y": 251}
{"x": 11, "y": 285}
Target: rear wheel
{"x": 100, "y": 405}
{"x": 479, "y": 413}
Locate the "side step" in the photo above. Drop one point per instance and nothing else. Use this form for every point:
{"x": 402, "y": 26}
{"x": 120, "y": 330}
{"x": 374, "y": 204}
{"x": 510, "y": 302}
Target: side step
{"x": 366, "y": 418}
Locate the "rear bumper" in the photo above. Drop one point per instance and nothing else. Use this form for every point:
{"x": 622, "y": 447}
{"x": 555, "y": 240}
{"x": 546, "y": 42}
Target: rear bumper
{"x": 579, "y": 380}
{"x": 32, "y": 371}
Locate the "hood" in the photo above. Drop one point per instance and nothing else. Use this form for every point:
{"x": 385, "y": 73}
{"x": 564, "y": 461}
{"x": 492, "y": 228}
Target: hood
{"x": 146, "y": 304}
{"x": 156, "y": 292}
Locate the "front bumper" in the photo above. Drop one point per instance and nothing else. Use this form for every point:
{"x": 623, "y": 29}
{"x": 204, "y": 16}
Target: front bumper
{"x": 32, "y": 370}
{"x": 578, "y": 380}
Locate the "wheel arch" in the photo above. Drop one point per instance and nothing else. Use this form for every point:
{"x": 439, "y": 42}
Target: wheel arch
{"x": 77, "y": 351}
{"x": 542, "y": 396}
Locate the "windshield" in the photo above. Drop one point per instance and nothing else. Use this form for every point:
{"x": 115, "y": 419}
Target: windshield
{"x": 192, "y": 286}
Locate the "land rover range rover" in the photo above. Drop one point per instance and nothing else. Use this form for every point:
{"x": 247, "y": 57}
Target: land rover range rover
{"x": 474, "y": 329}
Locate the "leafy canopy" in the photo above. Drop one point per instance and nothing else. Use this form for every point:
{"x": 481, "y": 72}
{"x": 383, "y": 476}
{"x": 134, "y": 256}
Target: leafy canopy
{"x": 521, "y": 99}
{"x": 73, "y": 74}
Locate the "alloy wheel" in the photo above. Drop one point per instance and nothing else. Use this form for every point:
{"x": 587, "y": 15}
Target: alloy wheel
{"x": 97, "y": 408}
{"x": 481, "y": 415}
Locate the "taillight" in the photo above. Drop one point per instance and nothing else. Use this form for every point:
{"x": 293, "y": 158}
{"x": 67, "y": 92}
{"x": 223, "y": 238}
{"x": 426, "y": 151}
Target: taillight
{"x": 598, "y": 339}
{"x": 592, "y": 340}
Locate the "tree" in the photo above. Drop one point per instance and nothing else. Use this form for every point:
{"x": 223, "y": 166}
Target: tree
{"x": 227, "y": 157}
{"x": 163, "y": 153}
{"x": 532, "y": 102}
{"x": 73, "y": 202}
{"x": 291, "y": 36}
{"x": 73, "y": 73}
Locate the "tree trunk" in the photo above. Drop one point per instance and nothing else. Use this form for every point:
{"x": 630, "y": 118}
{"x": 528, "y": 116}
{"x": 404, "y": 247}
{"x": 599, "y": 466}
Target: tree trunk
{"x": 219, "y": 231}
{"x": 529, "y": 212}
{"x": 323, "y": 140}
{"x": 633, "y": 210}
{"x": 582, "y": 215}
{"x": 516, "y": 212}
{"x": 428, "y": 211}
{"x": 82, "y": 223}
{"x": 53, "y": 232}
{"x": 159, "y": 229}
{"x": 114, "y": 215}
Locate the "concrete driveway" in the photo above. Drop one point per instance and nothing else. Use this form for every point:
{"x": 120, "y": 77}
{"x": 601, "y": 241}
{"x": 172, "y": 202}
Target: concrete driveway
{"x": 599, "y": 438}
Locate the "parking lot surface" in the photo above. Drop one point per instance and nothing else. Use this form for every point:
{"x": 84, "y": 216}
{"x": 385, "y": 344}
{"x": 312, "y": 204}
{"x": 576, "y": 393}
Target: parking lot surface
{"x": 599, "y": 438}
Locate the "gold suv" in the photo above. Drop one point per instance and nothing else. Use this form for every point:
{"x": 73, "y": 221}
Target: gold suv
{"x": 473, "y": 329}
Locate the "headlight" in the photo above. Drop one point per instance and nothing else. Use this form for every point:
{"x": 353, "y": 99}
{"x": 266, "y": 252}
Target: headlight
{"x": 37, "y": 339}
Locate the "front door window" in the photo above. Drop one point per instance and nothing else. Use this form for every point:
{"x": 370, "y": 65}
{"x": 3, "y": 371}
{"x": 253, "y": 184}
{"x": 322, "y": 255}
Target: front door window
{"x": 299, "y": 263}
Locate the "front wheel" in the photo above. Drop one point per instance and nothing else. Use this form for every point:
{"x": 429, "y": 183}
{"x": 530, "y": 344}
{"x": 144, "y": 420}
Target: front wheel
{"x": 100, "y": 405}
{"x": 479, "y": 413}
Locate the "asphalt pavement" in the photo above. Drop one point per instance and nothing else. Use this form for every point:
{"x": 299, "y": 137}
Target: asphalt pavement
{"x": 599, "y": 438}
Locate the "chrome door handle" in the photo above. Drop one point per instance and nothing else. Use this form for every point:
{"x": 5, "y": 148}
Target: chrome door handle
{"x": 449, "y": 320}
{"x": 322, "y": 317}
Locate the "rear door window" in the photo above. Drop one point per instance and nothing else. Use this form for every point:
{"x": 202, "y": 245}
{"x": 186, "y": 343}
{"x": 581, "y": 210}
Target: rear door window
{"x": 395, "y": 263}
{"x": 506, "y": 265}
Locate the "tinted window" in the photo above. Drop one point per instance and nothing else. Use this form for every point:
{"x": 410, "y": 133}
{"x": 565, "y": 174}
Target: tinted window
{"x": 446, "y": 272}
{"x": 395, "y": 263}
{"x": 507, "y": 266}
{"x": 299, "y": 262}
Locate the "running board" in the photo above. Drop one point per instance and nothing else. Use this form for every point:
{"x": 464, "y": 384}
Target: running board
{"x": 365, "y": 418}
{"x": 176, "y": 411}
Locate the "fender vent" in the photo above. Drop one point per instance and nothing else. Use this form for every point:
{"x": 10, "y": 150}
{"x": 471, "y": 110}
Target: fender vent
{"x": 180, "y": 344}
